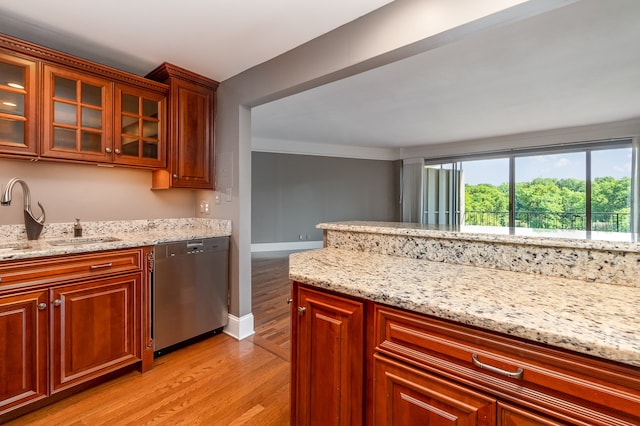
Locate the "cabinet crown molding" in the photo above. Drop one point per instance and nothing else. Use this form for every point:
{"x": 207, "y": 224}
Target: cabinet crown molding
{"x": 53, "y": 56}
{"x": 165, "y": 71}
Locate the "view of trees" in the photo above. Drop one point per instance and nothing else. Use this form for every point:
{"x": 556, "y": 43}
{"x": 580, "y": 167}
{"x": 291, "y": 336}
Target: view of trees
{"x": 552, "y": 204}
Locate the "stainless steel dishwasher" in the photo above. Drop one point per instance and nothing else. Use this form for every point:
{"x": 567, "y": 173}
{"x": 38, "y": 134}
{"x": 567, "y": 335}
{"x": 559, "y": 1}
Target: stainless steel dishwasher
{"x": 190, "y": 287}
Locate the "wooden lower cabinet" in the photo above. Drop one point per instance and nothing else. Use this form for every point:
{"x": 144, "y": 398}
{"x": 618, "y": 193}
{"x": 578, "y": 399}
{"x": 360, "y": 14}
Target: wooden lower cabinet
{"x": 94, "y": 329}
{"x": 406, "y": 396}
{"x": 358, "y": 362}
{"x": 23, "y": 349}
{"x": 70, "y": 320}
{"x": 329, "y": 373}
{"x": 508, "y": 415}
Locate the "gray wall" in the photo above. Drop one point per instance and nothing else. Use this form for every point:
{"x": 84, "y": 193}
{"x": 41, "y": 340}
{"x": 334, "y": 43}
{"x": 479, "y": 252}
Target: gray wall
{"x": 291, "y": 194}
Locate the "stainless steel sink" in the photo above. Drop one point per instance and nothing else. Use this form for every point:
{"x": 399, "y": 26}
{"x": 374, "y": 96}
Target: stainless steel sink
{"x": 82, "y": 240}
{"x": 8, "y": 247}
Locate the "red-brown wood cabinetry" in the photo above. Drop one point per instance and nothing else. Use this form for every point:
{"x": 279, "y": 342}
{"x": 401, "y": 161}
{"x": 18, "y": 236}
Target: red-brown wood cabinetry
{"x": 423, "y": 370}
{"x": 23, "y": 348}
{"x": 68, "y": 320}
{"x": 191, "y": 129}
{"x": 18, "y": 105}
{"x": 58, "y": 107}
{"x": 329, "y": 370}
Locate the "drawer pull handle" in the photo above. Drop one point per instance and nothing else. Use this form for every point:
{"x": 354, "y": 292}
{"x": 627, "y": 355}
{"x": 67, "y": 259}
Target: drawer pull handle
{"x": 104, "y": 265}
{"x": 512, "y": 374}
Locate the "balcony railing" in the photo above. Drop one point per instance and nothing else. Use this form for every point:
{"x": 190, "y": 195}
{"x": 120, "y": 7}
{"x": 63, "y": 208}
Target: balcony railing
{"x": 600, "y": 221}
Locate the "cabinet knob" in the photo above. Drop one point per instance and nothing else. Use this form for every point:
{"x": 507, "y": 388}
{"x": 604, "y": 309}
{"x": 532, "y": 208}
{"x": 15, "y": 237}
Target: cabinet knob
{"x": 289, "y": 300}
{"x": 57, "y": 302}
{"x": 108, "y": 150}
{"x": 175, "y": 176}
{"x": 118, "y": 151}
{"x": 42, "y": 306}
{"x": 301, "y": 310}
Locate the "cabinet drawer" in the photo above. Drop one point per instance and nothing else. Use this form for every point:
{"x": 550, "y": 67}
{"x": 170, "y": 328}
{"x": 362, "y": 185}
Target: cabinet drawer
{"x": 594, "y": 391}
{"x": 66, "y": 268}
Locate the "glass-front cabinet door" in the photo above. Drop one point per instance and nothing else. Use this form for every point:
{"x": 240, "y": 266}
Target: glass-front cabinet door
{"x": 139, "y": 127}
{"x": 17, "y": 105}
{"x": 77, "y": 115}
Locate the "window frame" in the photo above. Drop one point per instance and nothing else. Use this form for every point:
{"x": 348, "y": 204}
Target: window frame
{"x": 585, "y": 147}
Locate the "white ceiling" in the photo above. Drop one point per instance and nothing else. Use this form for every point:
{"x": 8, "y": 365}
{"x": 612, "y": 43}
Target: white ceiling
{"x": 216, "y": 38}
{"x": 578, "y": 64}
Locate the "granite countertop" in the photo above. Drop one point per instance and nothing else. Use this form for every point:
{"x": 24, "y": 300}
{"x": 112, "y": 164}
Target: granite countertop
{"x": 128, "y": 234}
{"x": 618, "y": 241}
{"x": 592, "y": 318}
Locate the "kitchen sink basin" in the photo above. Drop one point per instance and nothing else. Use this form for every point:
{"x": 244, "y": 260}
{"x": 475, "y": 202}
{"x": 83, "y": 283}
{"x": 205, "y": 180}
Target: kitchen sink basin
{"x": 9, "y": 247}
{"x": 83, "y": 240}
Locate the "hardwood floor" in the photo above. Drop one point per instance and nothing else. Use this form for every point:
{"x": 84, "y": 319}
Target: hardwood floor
{"x": 218, "y": 381}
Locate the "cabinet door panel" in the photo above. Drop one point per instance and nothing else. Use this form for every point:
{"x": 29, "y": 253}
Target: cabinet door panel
{"x": 17, "y": 105}
{"x": 192, "y": 162}
{"x": 95, "y": 329}
{"x": 140, "y": 128}
{"x": 23, "y": 349}
{"x": 330, "y": 368}
{"x": 77, "y": 115}
{"x": 509, "y": 415}
{"x": 407, "y": 396}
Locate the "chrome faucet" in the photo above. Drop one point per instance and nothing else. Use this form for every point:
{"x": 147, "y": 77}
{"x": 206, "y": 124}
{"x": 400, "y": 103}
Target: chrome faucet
{"x": 34, "y": 226}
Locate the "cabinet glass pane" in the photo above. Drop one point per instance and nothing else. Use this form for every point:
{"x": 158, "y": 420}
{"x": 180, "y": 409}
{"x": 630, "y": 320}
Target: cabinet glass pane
{"x": 91, "y": 118}
{"x": 91, "y": 95}
{"x": 130, "y": 125}
{"x": 12, "y": 103}
{"x": 12, "y": 76}
{"x": 64, "y": 88}
{"x": 149, "y": 150}
{"x": 64, "y": 113}
{"x": 130, "y": 104}
{"x": 12, "y": 131}
{"x": 150, "y": 129}
{"x": 91, "y": 142}
{"x": 130, "y": 147}
{"x": 149, "y": 108}
{"x": 64, "y": 138}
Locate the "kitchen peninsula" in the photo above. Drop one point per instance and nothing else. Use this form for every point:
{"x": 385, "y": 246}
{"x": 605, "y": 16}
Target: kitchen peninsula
{"x": 539, "y": 326}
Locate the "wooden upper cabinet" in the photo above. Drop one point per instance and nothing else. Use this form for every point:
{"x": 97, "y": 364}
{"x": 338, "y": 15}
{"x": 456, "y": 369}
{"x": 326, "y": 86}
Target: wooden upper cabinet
{"x": 59, "y": 107}
{"x": 191, "y": 129}
{"x": 77, "y": 115}
{"x": 17, "y": 105}
{"x": 140, "y": 127}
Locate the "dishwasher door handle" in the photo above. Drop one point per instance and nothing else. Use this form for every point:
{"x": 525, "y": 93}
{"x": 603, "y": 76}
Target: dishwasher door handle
{"x": 195, "y": 244}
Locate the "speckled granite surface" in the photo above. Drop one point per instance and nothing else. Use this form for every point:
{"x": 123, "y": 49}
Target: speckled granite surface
{"x": 564, "y": 254}
{"x": 599, "y": 320}
{"x": 134, "y": 233}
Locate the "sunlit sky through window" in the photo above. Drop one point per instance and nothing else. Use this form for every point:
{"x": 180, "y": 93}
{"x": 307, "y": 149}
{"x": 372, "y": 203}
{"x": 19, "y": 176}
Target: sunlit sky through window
{"x": 615, "y": 163}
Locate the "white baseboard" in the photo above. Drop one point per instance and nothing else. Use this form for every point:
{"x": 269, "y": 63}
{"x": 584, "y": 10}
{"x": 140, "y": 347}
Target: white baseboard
{"x": 239, "y": 328}
{"x": 288, "y": 246}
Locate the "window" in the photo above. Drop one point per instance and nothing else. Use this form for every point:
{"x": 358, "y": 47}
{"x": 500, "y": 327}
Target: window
{"x": 578, "y": 187}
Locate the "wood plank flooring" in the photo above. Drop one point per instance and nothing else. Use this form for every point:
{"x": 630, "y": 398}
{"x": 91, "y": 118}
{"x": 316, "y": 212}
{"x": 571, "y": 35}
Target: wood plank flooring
{"x": 218, "y": 381}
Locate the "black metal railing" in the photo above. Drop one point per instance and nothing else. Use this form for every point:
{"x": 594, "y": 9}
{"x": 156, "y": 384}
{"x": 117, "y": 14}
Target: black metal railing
{"x": 600, "y": 221}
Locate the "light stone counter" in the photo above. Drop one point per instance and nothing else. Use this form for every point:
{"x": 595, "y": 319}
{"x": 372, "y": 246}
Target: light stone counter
{"x": 599, "y": 320}
{"x": 569, "y": 289}
{"x": 132, "y": 233}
